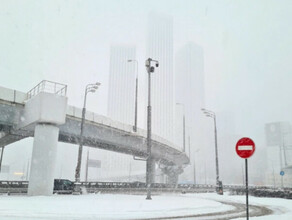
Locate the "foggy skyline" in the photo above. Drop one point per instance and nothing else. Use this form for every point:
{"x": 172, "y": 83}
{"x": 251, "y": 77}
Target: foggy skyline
{"x": 247, "y": 46}
{"x": 247, "y": 51}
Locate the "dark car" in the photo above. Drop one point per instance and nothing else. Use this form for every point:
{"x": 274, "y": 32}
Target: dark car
{"x": 63, "y": 186}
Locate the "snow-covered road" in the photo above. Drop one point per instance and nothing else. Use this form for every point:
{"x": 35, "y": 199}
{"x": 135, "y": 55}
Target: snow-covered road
{"x": 106, "y": 206}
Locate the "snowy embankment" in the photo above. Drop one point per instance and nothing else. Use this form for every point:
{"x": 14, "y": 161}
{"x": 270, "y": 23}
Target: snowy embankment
{"x": 105, "y": 206}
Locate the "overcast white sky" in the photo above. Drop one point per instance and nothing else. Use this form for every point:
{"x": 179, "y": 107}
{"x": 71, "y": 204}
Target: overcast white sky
{"x": 247, "y": 49}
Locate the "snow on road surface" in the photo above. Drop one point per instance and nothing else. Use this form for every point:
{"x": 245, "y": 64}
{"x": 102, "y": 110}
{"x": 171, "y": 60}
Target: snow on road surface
{"x": 116, "y": 206}
{"x": 282, "y": 208}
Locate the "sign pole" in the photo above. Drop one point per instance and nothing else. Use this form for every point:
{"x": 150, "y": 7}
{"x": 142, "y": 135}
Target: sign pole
{"x": 246, "y": 185}
{"x": 245, "y": 148}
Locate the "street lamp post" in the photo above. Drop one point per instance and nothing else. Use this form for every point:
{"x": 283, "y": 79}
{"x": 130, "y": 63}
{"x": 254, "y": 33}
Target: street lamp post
{"x": 1, "y": 157}
{"x": 136, "y": 95}
{"x": 212, "y": 114}
{"x": 184, "y": 127}
{"x": 89, "y": 88}
{"x": 149, "y": 168}
{"x": 195, "y": 178}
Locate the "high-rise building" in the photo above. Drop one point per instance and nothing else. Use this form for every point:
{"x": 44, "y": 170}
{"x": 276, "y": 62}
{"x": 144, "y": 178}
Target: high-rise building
{"x": 279, "y": 156}
{"x": 189, "y": 92}
{"x": 121, "y": 107}
{"x": 189, "y": 81}
{"x": 121, "y": 93}
{"x": 160, "y": 47}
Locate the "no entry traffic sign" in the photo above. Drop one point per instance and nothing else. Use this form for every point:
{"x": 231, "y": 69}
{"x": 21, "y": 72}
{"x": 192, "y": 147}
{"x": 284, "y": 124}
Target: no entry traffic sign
{"x": 245, "y": 147}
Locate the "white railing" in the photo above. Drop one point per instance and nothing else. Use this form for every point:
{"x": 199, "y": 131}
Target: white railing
{"x": 48, "y": 86}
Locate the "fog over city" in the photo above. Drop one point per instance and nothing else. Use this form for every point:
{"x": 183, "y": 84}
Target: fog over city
{"x": 243, "y": 47}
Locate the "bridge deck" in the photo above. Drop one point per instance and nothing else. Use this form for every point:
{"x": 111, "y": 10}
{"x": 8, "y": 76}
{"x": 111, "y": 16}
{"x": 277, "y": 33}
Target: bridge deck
{"x": 99, "y": 131}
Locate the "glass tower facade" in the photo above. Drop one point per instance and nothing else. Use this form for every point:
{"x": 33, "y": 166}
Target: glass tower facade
{"x": 189, "y": 85}
{"x": 160, "y": 47}
{"x": 121, "y": 94}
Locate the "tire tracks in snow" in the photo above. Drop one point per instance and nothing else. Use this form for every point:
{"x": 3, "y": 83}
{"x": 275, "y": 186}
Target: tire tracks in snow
{"x": 238, "y": 211}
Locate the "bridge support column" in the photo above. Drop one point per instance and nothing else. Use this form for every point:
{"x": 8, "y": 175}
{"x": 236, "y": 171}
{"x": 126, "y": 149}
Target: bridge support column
{"x": 172, "y": 178}
{"x": 43, "y": 112}
{"x": 41, "y": 180}
{"x": 172, "y": 173}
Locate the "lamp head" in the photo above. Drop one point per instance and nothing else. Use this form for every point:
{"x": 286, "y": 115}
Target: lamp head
{"x": 92, "y": 89}
{"x": 147, "y": 62}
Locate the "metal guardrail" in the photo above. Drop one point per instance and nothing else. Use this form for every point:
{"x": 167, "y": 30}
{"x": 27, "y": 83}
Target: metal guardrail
{"x": 48, "y": 86}
{"x": 137, "y": 185}
{"x": 20, "y": 187}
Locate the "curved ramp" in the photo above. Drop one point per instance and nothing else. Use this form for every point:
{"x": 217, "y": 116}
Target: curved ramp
{"x": 99, "y": 131}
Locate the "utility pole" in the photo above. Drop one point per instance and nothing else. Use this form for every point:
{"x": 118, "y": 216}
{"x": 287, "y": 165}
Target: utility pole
{"x": 149, "y": 162}
{"x": 136, "y": 96}
{"x": 184, "y": 127}
{"x": 89, "y": 88}
{"x": 27, "y": 170}
{"x": 2, "y": 151}
{"x": 211, "y": 114}
{"x": 86, "y": 174}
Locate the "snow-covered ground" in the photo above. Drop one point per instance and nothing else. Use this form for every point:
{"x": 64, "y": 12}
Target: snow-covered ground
{"x": 282, "y": 208}
{"x": 116, "y": 206}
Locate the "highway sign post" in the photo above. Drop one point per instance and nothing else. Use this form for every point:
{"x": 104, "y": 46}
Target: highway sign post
{"x": 245, "y": 148}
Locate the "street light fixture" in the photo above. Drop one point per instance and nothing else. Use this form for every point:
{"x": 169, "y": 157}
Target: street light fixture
{"x": 212, "y": 114}
{"x": 89, "y": 88}
{"x": 136, "y": 95}
{"x": 149, "y": 167}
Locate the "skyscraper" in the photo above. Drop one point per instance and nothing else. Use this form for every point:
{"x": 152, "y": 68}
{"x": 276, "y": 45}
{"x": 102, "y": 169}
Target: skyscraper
{"x": 160, "y": 47}
{"x": 189, "y": 80}
{"x": 189, "y": 91}
{"x": 121, "y": 95}
{"x": 121, "y": 107}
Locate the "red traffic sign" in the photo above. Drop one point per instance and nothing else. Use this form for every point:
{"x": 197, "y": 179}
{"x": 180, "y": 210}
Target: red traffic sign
{"x": 245, "y": 147}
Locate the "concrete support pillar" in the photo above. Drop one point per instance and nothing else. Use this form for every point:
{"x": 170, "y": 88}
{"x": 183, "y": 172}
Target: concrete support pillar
{"x": 172, "y": 173}
{"x": 41, "y": 180}
{"x": 45, "y": 112}
{"x": 172, "y": 178}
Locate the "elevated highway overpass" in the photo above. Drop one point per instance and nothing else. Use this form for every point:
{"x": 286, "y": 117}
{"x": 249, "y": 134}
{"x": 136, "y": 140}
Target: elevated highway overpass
{"x": 99, "y": 131}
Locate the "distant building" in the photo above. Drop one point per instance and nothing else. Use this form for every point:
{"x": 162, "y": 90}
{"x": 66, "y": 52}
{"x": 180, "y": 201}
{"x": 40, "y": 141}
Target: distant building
{"x": 189, "y": 79}
{"x": 121, "y": 94}
{"x": 189, "y": 92}
{"x": 160, "y": 47}
{"x": 279, "y": 153}
{"x": 121, "y": 107}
